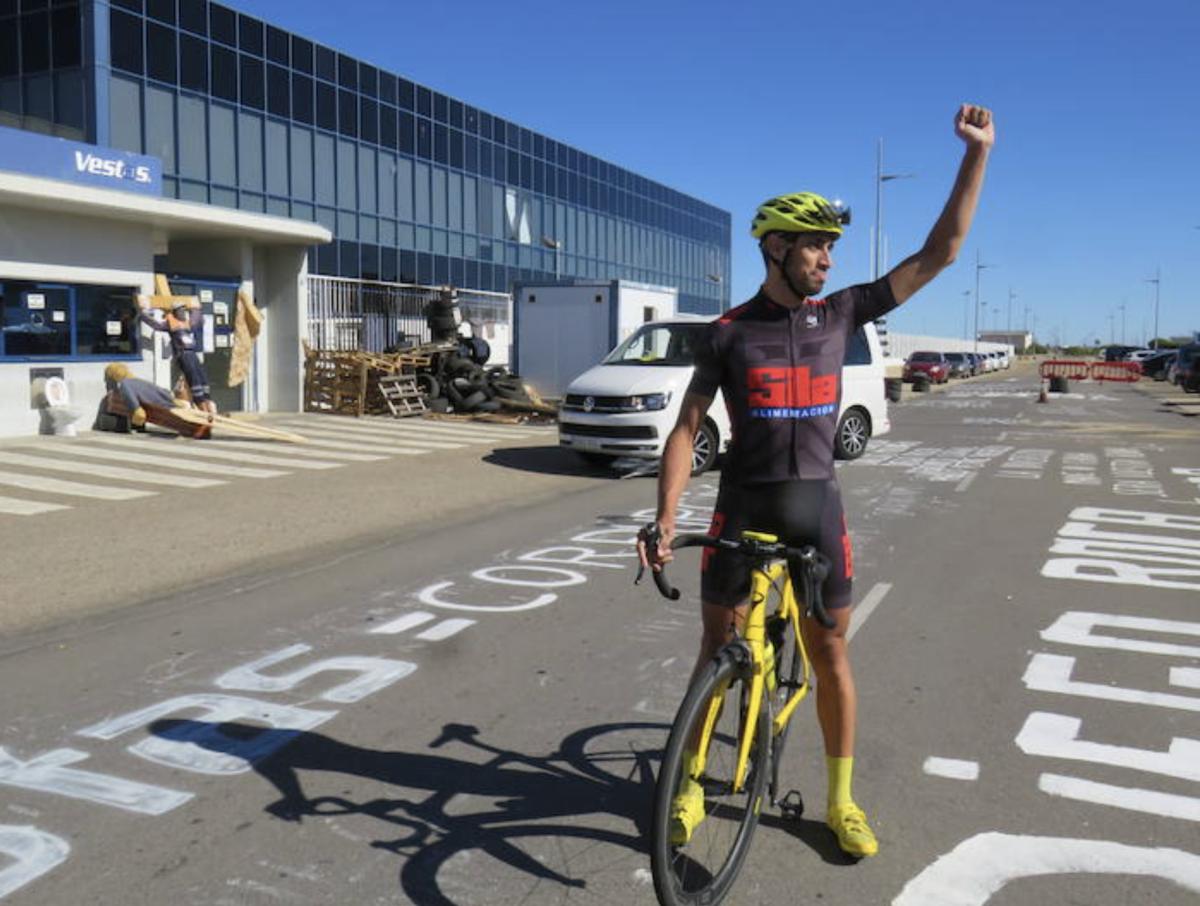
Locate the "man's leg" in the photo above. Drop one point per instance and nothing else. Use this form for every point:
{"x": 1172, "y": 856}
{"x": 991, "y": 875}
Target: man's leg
{"x": 837, "y": 712}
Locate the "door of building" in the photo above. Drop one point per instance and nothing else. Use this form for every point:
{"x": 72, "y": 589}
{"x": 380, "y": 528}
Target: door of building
{"x": 218, "y": 304}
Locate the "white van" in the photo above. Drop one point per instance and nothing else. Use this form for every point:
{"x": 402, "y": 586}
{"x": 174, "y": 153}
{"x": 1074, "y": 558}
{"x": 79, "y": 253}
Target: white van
{"x": 628, "y": 404}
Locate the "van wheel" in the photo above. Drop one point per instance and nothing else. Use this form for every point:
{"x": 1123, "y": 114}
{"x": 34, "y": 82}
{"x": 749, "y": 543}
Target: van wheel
{"x": 704, "y": 448}
{"x": 853, "y": 432}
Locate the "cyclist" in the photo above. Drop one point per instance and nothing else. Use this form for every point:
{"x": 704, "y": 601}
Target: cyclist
{"x": 777, "y": 360}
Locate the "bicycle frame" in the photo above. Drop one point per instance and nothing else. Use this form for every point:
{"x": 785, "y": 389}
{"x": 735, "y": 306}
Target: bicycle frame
{"x": 762, "y": 578}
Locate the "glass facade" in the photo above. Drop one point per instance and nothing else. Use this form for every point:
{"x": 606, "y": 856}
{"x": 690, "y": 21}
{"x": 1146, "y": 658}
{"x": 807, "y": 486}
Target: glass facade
{"x": 42, "y": 86}
{"x": 417, "y": 187}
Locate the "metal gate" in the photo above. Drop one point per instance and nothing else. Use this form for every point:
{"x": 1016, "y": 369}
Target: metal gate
{"x": 345, "y": 315}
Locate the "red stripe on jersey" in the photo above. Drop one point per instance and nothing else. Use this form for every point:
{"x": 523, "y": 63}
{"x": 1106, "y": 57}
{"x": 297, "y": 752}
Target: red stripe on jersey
{"x": 846, "y": 551}
{"x": 714, "y": 531}
{"x": 734, "y": 313}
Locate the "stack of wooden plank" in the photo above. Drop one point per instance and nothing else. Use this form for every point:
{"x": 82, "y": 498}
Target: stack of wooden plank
{"x": 347, "y": 383}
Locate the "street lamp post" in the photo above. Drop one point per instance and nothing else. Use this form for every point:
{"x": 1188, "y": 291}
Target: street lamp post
{"x": 556, "y": 244}
{"x": 1156, "y": 279}
{"x": 966, "y": 312}
{"x": 979, "y": 266}
{"x": 880, "y": 178}
{"x": 1011, "y": 295}
{"x": 1121, "y": 308}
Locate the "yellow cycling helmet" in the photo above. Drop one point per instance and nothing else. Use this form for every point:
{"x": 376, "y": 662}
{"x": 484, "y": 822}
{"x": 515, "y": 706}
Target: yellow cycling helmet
{"x": 801, "y": 212}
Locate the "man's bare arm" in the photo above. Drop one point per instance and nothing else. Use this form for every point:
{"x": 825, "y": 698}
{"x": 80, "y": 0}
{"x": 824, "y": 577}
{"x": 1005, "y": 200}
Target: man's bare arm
{"x": 974, "y": 126}
{"x": 674, "y": 471}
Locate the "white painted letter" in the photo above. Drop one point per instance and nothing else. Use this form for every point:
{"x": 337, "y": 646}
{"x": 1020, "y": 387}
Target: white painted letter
{"x": 377, "y": 673}
{"x": 198, "y": 744}
{"x": 566, "y": 578}
{"x": 1052, "y": 673}
{"x": 47, "y": 773}
{"x": 1075, "y": 627}
{"x": 975, "y": 869}
{"x": 582, "y": 556}
{"x": 1057, "y": 736}
{"x": 429, "y": 596}
{"x": 1091, "y": 570}
{"x": 36, "y": 852}
{"x": 1137, "y": 517}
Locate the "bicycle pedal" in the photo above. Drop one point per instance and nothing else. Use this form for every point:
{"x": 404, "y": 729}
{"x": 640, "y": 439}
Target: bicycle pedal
{"x": 791, "y": 806}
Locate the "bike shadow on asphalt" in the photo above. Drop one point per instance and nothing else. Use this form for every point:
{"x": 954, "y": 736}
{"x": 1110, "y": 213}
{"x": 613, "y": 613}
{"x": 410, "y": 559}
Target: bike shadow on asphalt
{"x": 814, "y": 834}
{"x": 513, "y": 796}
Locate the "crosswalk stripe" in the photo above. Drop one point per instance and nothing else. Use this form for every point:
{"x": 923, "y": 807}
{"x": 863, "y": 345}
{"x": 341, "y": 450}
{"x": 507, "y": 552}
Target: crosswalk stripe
{"x": 303, "y": 451}
{"x": 376, "y": 437}
{"x": 421, "y": 426}
{"x": 336, "y": 441}
{"x": 102, "y": 471}
{"x": 15, "y": 506}
{"x": 174, "y": 463}
{"x": 70, "y": 488}
{"x": 212, "y": 449}
{"x": 368, "y": 432}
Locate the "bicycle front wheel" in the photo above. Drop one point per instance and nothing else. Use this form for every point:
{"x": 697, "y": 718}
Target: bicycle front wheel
{"x": 702, "y": 869}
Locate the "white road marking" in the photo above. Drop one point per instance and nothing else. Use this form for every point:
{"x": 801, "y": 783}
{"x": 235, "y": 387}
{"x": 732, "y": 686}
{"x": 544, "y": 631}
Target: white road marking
{"x": 966, "y": 482}
{"x": 444, "y": 630}
{"x": 91, "y": 468}
{"x": 404, "y": 623}
{"x": 866, "y": 606}
{"x": 214, "y": 449}
{"x": 15, "y": 506}
{"x": 1151, "y": 802}
{"x": 404, "y": 432}
{"x": 176, "y": 462}
{"x": 319, "y": 442}
{"x": 371, "y": 439}
{"x": 301, "y": 451}
{"x": 70, "y": 488}
{"x": 953, "y": 768}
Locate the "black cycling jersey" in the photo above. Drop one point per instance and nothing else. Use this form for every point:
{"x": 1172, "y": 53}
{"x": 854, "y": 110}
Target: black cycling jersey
{"x": 780, "y": 372}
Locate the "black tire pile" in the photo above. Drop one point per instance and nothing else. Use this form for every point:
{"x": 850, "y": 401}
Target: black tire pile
{"x": 458, "y": 381}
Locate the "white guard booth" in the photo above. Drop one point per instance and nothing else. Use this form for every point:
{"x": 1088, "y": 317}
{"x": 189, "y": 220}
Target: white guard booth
{"x": 564, "y": 328}
{"x": 85, "y": 232}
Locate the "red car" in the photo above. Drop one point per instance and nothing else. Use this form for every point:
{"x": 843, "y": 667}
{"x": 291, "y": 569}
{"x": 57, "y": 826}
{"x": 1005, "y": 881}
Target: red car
{"x": 931, "y": 364}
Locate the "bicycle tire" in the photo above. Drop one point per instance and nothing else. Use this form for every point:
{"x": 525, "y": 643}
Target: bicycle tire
{"x": 703, "y": 870}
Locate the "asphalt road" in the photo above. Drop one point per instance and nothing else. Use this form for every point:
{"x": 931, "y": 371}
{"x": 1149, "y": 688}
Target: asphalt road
{"x": 470, "y": 709}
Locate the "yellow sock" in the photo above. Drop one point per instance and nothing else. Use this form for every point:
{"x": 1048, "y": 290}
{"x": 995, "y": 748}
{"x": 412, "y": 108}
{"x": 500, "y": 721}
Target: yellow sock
{"x": 840, "y": 771}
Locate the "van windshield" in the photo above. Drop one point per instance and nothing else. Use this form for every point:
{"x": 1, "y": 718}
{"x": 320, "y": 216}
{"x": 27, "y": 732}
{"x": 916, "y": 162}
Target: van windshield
{"x": 659, "y": 344}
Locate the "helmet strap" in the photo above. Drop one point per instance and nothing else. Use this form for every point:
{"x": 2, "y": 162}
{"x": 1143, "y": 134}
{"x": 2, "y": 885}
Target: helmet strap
{"x": 782, "y": 265}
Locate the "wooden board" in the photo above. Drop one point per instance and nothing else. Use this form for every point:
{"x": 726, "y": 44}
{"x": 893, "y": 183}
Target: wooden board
{"x": 196, "y": 424}
{"x": 180, "y": 421}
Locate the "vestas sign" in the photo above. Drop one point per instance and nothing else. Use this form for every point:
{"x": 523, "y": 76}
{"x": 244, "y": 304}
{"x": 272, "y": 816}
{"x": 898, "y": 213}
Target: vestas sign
{"x": 56, "y": 158}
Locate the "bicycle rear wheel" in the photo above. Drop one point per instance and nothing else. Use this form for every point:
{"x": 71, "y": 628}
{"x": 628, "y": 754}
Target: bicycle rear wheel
{"x": 702, "y": 870}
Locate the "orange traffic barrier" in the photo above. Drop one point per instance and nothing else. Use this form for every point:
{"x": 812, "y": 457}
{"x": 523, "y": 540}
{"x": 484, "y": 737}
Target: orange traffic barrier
{"x": 1125, "y": 372}
{"x": 1071, "y": 369}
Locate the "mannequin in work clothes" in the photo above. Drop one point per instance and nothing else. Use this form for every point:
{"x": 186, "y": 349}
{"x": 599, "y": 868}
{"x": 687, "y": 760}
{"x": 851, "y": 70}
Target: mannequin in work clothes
{"x": 181, "y": 324}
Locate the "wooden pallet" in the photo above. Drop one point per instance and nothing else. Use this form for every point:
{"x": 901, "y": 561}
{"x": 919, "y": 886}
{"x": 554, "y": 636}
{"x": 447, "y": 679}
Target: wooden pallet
{"x": 401, "y": 395}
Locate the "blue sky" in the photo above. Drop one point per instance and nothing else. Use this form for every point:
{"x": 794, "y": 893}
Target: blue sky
{"x": 1094, "y": 182}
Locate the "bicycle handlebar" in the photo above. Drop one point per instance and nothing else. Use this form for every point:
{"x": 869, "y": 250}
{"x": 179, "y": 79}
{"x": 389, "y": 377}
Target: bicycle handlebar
{"x": 812, "y": 565}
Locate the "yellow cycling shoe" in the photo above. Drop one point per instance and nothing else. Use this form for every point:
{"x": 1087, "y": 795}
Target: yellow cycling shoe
{"x": 854, "y": 835}
{"x": 687, "y": 811}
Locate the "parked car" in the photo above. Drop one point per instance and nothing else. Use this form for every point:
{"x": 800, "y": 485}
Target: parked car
{"x": 627, "y": 405}
{"x": 961, "y": 365}
{"x": 1139, "y": 355}
{"x": 931, "y": 364}
{"x": 1185, "y": 370}
{"x": 1155, "y": 366}
{"x": 977, "y": 360}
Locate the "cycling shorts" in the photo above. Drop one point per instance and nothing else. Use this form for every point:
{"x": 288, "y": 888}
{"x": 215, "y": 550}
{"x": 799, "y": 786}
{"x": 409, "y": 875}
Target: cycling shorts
{"x": 798, "y": 512}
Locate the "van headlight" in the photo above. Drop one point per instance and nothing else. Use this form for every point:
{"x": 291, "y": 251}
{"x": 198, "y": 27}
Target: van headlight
{"x": 650, "y": 402}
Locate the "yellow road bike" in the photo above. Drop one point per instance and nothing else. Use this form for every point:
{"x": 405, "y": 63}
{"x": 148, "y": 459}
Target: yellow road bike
{"x": 730, "y": 731}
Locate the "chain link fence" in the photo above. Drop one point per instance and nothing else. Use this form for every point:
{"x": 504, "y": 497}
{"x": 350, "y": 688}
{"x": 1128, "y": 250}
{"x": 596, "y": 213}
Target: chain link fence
{"x": 345, "y": 315}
